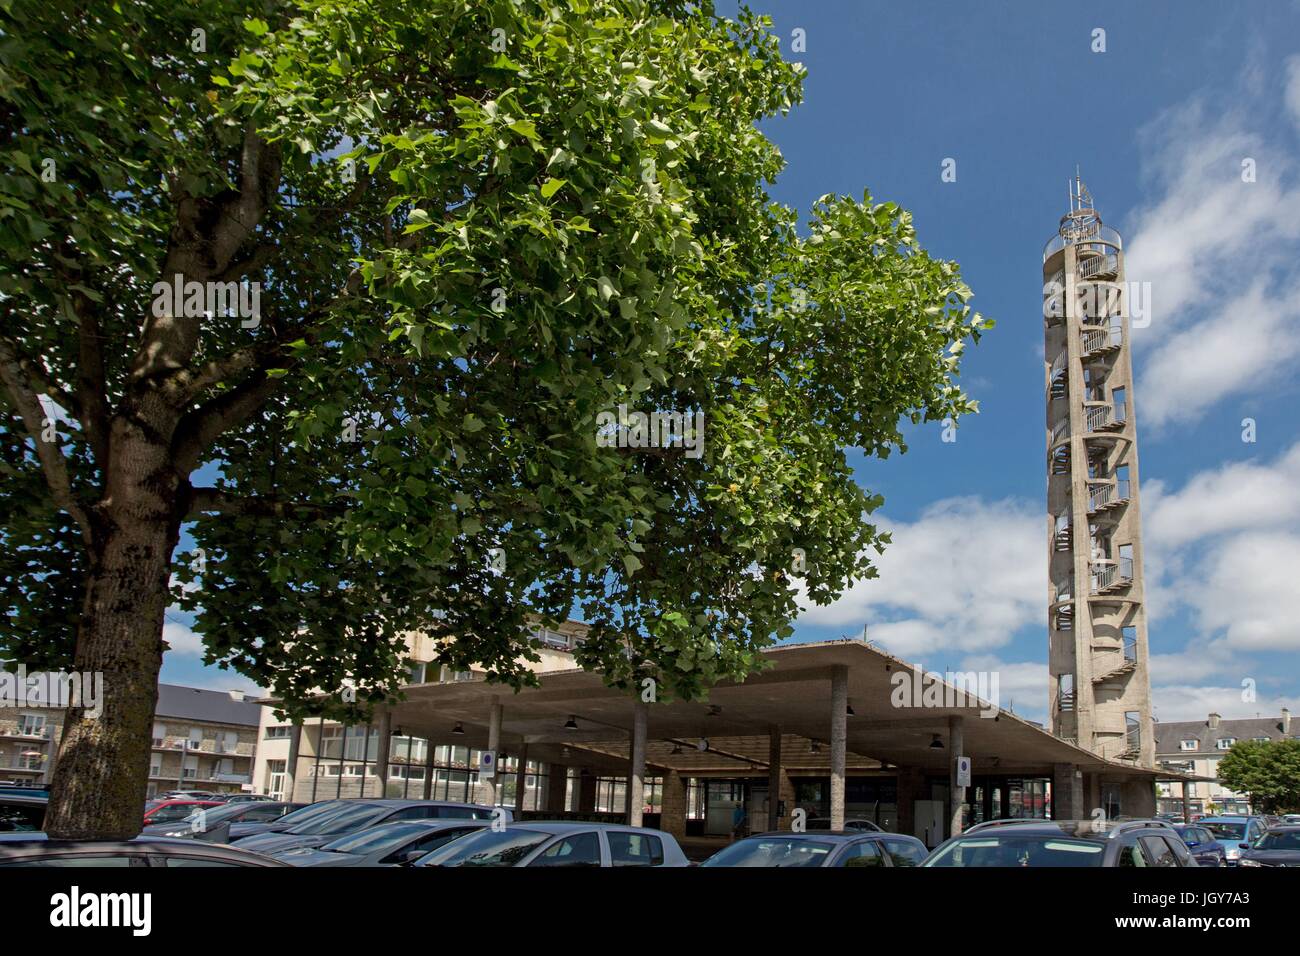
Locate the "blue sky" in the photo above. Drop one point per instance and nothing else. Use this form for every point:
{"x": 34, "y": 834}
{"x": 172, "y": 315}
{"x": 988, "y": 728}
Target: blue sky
{"x": 1159, "y": 124}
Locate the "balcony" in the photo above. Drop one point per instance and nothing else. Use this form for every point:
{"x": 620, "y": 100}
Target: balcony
{"x": 1102, "y": 264}
{"x": 1106, "y": 496}
{"x": 1108, "y": 575}
{"x": 19, "y": 731}
{"x": 1127, "y": 666}
{"x": 1103, "y": 339}
{"x": 1105, "y": 418}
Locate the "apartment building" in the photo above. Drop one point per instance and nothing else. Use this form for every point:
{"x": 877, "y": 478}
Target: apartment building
{"x": 202, "y": 740}
{"x": 1197, "y": 746}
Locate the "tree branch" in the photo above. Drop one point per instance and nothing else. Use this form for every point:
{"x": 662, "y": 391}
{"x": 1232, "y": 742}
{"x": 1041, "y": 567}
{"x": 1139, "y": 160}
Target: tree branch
{"x": 214, "y": 500}
{"x": 53, "y": 465}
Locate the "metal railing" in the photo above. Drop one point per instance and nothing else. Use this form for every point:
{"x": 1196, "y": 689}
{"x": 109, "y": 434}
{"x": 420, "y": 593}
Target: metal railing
{"x": 1111, "y": 492}
{"x": 1098, "y": 417}
{"x": 1100, "y": 340}
{"x": 1114, "y": 574}
{"x": 1097, "y": 265}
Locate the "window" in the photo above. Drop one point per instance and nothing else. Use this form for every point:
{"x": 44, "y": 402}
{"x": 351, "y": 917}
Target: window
{"x": 22, "y": 817}
{"x": 862, "y": 854}
{"x": 1224, "y": 743}
{"x": 634, "y": 849}
{"x": 159, "y": 734}
{"x": 89, "y": 861}
{"x": 31, "y": 725}
{"x": 1187, "y": 744}
{"x": 581, "y": 849}
{"x": 905, "y": 852}
{"x": 1131, "y": 855}
{"x": 279, "y": 733}
{"x": 173, "y": 861}
{"x": 1160, "y": 852}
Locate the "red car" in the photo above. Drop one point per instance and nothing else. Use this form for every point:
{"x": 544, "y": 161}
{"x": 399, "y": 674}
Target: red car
{"x": 170, "y": 811}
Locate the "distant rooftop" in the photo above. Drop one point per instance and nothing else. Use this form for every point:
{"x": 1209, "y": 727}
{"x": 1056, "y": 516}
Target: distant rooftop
{"x": 216, "y": 706}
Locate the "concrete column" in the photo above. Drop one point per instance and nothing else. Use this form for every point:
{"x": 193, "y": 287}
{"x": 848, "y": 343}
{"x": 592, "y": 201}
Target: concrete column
{"x": 839, "y": 738}
{"x": 521, "y": 779}
{"x": 429, "y": 749}
{"x": 586, "y": 788}
{"x": 636, "y": 779}
{"x": 1138, "y": 797}
{"x": 1067, "y": 792}
{"x": 557, "y": 782}
{"x": 291, "y": 764}
{"x": 673, "y": 818}
{"x": 1092, "y": 793}
{"x": 384, "y": 749}
{"x": 956, "y": 794}
{"x": 774, "y": 778}
{"x": 787, "y": 796}
{"x": 487, "y": 789}
{"x": 910, "y": 782}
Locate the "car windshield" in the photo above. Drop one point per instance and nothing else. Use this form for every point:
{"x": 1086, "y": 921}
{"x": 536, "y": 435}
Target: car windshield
{"x": 772, "y": 851}
{"x": 172, "y": 813}
{"x": 310, "y": 812}
{"x": 1025, "y": 849}
{"x": 342, "y": 821}
{"x": 386, "y": 836}
{"x": 1225, "y": 831}
{"x": 1279, "y": 840}
{"x": 487, "y": 848}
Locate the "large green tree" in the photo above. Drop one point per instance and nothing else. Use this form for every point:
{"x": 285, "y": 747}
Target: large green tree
{"x": 473, "y": 227}
{"x": 1267, "y": 771}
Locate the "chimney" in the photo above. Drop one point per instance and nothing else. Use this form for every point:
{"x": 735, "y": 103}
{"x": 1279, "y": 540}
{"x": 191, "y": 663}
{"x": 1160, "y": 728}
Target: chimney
{"x": 1286, "y": 722}
{"x": 1214, "y": 721}
{"x": 236, "y": 695}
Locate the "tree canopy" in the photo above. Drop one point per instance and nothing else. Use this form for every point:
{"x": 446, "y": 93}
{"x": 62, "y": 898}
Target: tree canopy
{"x": 472, "y": 228}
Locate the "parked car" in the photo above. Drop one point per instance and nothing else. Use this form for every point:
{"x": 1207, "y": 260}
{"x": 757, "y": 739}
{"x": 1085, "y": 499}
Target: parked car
{"x": 245, "y": 828}
{"x": 389, "y": 844}
{"x": 21, "y": 812}
{"x": 1289, "y": 819}
{"x": 169, "y": 811}
{"x": 188, "y": 795}
{"x": 857, "y": 825}
{"x": 822, "y": 848}
{"x": 1060, "y": 843}
{"x": 250, "y": 798}
{"x": 213, "y": 823}
{"x": 1279, "y": 846}
{"x": 1203, "y": 845}
{"x": 567, "y": 843}
{"x": 35, "y": 849}
{"x": 356, "y": 815}
{"x": 1231, "y": 831}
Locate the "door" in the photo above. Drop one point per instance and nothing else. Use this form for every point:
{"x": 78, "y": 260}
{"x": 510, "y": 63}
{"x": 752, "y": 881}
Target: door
{"x": 929, "y": 826}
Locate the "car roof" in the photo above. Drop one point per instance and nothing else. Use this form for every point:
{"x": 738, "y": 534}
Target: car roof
{"x": 23, "y": 798}
{"x": 152, "y": 844}
{"x": 570, "y": 826}
{"x": 822, "y": 834}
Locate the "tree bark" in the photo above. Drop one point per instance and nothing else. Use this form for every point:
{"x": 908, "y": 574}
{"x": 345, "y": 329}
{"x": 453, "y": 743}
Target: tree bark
{"x": 103, "y": 762}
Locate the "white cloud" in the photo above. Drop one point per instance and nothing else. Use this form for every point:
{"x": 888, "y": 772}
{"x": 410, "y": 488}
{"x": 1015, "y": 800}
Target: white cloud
{"x": 1182, "y": 702}
{"x": 1220, "y": 255}
{"x": 181, "y": 640}
{"x": 1293, "y": 88}
{"x": 963, "y": 577}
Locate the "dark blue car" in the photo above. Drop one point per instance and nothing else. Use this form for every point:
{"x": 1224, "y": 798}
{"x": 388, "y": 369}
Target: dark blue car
{"x": 1202, "y": 844}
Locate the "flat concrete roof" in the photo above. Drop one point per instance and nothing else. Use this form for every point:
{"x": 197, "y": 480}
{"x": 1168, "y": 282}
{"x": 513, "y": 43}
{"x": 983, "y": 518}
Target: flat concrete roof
{"x": 793, "y": 694}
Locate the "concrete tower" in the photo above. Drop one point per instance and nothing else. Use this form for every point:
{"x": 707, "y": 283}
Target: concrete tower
{"x": 1100, "y": 690}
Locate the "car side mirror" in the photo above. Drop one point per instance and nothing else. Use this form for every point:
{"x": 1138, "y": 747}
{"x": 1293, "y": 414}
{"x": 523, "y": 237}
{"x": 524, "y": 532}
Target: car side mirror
{"x": 1244, "y": 846}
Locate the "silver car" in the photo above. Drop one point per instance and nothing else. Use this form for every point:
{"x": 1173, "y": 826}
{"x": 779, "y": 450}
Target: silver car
{"x": 389, "y": 844}
{"x": 563, "y": 844}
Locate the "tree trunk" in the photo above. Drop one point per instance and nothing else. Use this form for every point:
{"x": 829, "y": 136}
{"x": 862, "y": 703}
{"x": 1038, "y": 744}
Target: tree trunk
{"x": 103, "y": 762}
